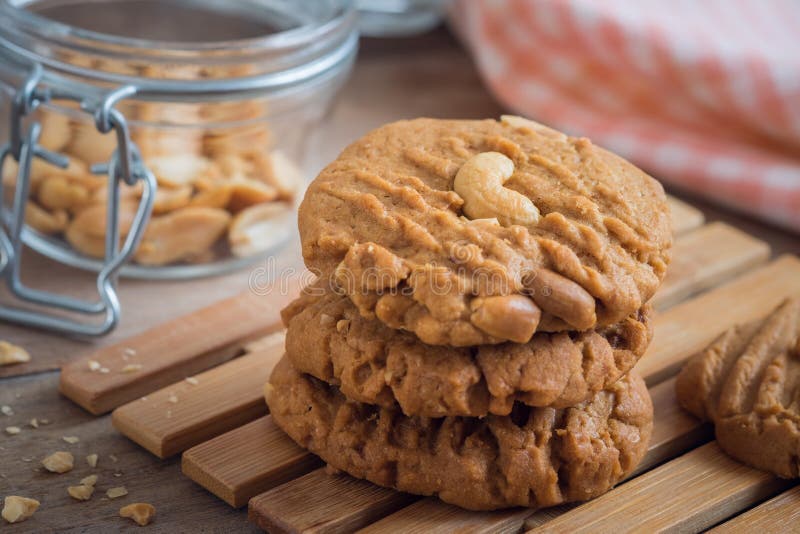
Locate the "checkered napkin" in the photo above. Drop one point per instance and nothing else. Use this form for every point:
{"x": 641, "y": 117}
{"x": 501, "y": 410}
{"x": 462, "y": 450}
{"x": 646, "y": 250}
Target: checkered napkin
{"x": 704, "y": 94}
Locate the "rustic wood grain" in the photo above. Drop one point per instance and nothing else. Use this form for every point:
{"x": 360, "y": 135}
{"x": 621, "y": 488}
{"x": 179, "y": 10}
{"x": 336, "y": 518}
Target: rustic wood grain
{"x": 173, "y": 350}
{"x": 688, "y": 494}
{"x": 706, "y": 257}
{"x": 776, "y": 516}
{"x": 172, "y": 419}
{"x": 685, "y": 217}
{"x": 338, "y": 504}
{"x": 688, "y": 327}
{"x": 247, "y": 461}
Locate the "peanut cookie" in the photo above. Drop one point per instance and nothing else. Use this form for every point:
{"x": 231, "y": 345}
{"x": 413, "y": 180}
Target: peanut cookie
{"x": 369, "y": 362}
{"x": 533, "y": 457}
{"x": 747, "y": 383}
{"x": 476, "y": 232}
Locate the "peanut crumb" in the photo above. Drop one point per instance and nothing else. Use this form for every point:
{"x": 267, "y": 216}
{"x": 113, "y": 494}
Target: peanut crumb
{"x": 44, "y": 421}
{"x": 140, "y": 512}
{"x": 82, "y": 492}
{"x": 94, "y": 366}
{"x": 16, "y": 508}
{"x": 169, "y": 414}
{"x": 173, "y": 399}
{"x": 131, "y": 368}
{"x": 129, "y": 352}
{"x": 13, "y": 430}
{"x": 34, "y": 423}
{"x": 342, "y": 325}
{"x": 113, "y": 458}
{"x": 6, "y": 410}
{"x": 114, "y": 493}
{"x": 59, "y": 462}
{"x": 326, "y": 320}
{"x": 12, "y": 354}
{"x": 192, "y": 380}
{"x": 72, "y": 440}
{"x": 105, "y": 370}
{"x": 117, "y": 475}
{"x": 92, "y": 460}
{"x": 91, "y": 480}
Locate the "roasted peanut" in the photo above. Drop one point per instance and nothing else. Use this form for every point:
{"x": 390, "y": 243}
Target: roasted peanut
{"x": 283, "y": 175}
{"x": 512, "y": 317}
{"x": 257, "y": 228}
{"x": 87, "y": 230}
{"x": 561, "y": 297}
{"x": 44, "y": 221}
{"x": 212, "y": 195}
{"x": 56, "y": 131}
{"x": 90, "y": 145}
{"x": 180, "y": 170}
{"x": 16, "y": 508}
{"x": 181, "y": 235}
{"x": 480, "y": 183}
{"x": 171, "y": 199}
{"x": 57, "y": 192}
{"x": 142, "y": 513}
{"x": 12, "y": 354}
{"x": 59, "y": 462}
{"x": 246, "y": 193}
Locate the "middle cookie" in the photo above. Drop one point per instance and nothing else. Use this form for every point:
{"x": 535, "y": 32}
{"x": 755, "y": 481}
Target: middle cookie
{"x": 371, "y": 363}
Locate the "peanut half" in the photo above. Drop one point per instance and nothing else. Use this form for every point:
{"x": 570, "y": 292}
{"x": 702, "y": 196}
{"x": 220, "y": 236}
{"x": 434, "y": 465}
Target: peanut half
{"x": 512, "y": 317}
{"x": 480, "y": 181}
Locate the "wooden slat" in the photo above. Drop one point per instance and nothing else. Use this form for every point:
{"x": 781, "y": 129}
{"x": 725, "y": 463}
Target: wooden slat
{"x": 337, "y": 504}
{"x": 174, "y": 350}
{"x": 688, "y": 327}
{"x": 776, "y": 516}
{"x": 181, "y": 415}
{"x": 246, "y": 461}
{"x": 691, "y": 329}
{"x": 685, "y": 217}
{"x": 705, "y": 258}
{"x": 674, "y": 433}
{"x": 688, "y": 494}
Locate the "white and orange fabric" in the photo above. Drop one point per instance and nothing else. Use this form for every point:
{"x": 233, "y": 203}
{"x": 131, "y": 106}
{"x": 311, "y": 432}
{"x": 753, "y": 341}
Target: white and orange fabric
{"x": 705, "y": 95}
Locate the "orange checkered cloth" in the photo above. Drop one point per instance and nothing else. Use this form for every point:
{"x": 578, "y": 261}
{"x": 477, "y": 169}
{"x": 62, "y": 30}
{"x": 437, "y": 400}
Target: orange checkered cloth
{"x": 703, "y": 94}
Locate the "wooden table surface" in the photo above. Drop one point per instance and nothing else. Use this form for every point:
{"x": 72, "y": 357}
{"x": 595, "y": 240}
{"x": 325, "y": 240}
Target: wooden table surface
{"x": 392, "y": 79}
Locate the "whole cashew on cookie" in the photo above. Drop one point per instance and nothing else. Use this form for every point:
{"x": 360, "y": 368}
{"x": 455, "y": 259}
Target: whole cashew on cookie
{"x": 480, "y": 181}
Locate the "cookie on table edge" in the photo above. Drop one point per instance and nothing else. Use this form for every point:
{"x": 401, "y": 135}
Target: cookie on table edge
{"x": 371, "y": 363}
{"x": 415, "y": 242}
{"x": 534, "y": 457}
{"x": 747, "y": 382}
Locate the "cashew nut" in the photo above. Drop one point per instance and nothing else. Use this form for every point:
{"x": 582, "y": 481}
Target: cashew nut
{"x": 512, "y": 317}
{"x": 480, "y": 181}
{"x": 181, "y": 235}
{"x": 258, "y": 227}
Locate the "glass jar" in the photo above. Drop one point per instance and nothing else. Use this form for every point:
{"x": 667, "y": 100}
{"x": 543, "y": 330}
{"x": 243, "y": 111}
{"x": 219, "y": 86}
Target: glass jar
{"x": 225, "y": 96}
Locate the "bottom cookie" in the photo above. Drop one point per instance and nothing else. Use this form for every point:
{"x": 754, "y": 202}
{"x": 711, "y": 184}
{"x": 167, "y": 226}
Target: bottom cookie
{"x": 747, "y": 382}
{"x": 534, "y": 457}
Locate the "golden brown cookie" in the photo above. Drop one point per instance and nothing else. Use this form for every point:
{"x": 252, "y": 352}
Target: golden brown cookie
{"x": 533, "y": 457}
{"x": 476, "y": 232}
{"x": 369, "y": 362}
{"x": 747, "y": 382}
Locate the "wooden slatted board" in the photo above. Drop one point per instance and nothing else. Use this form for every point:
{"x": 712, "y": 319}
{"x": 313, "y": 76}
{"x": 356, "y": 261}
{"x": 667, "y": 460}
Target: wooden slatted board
{"x": 720, "y": 276}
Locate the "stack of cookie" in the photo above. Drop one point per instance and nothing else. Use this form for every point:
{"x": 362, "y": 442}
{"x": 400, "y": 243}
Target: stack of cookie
{"x": 481, "y": 301}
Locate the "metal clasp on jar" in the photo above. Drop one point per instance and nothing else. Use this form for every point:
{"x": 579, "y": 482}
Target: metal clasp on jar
{"x": 124, "y": 165}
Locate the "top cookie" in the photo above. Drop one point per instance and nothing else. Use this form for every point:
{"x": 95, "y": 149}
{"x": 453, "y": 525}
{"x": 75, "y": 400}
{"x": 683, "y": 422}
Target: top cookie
{"x": 477, "y": 232}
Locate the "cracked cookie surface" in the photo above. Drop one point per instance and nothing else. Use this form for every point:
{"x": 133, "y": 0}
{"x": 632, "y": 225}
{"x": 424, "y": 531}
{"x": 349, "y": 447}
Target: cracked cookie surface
{"x": 588, "y": 246}
{"x": 371, "y": 363}
{"x": 747, "y": 382}
{"x": 534, "y": 457}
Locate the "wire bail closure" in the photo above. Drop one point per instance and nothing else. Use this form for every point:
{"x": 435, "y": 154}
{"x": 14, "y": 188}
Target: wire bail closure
{"x": 125, "y": 165}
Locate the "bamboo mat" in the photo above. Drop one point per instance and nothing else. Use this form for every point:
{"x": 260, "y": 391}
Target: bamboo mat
{"x": 206, "y": 404}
